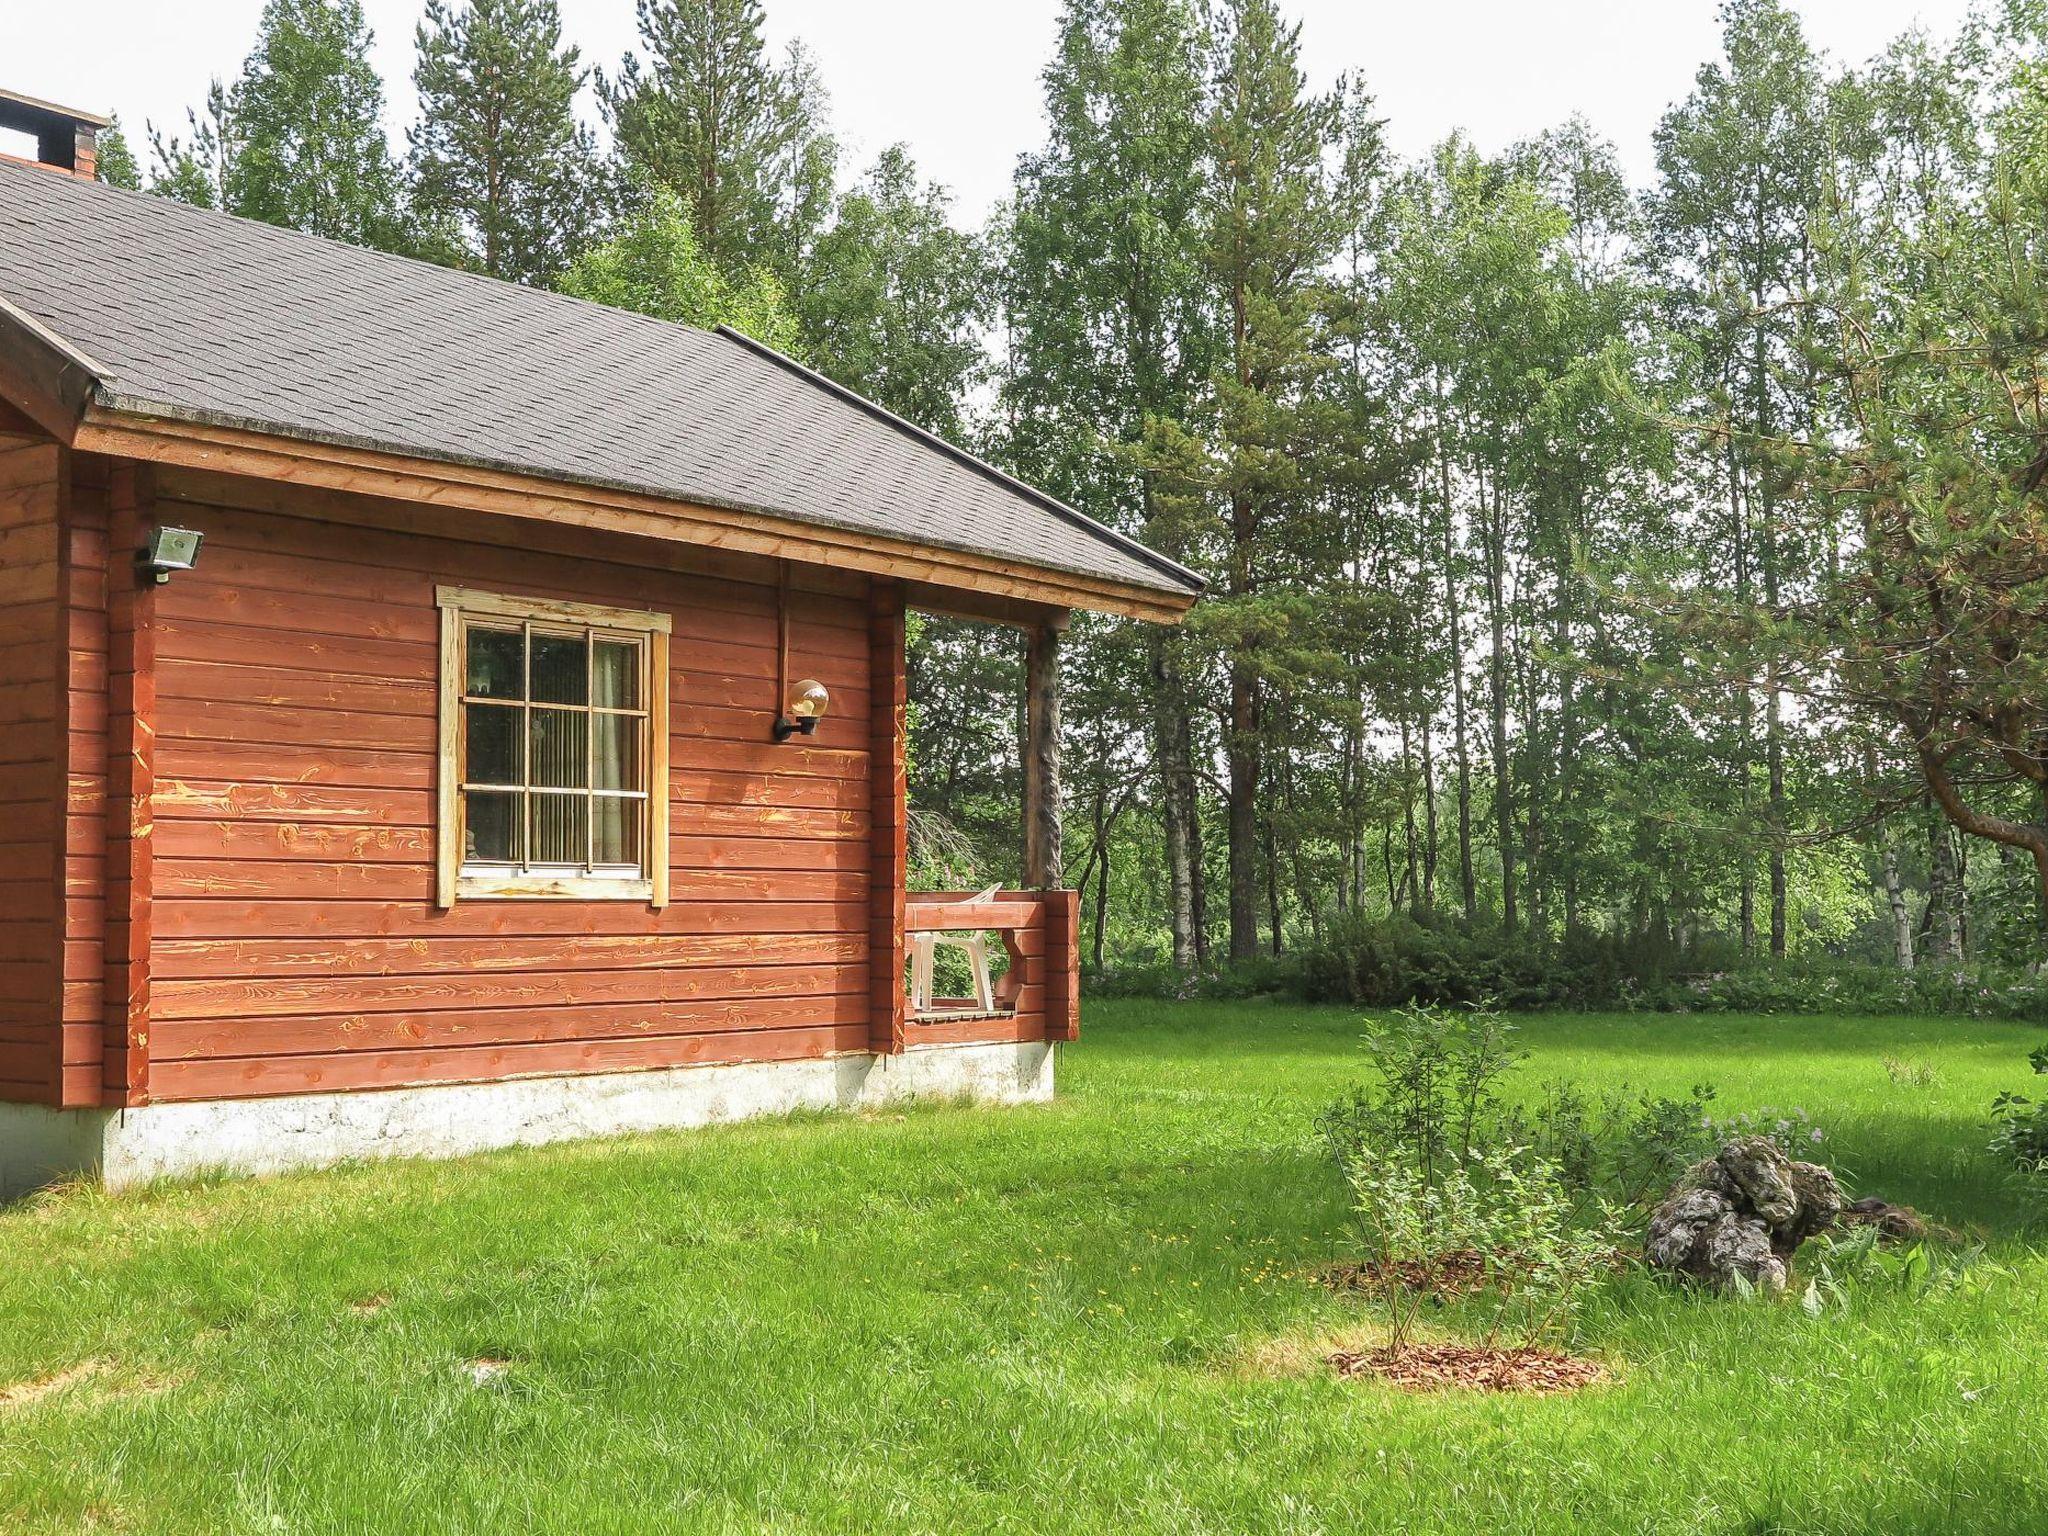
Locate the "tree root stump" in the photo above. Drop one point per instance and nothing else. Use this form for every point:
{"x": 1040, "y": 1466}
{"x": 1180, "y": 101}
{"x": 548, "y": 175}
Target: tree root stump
{"x": 1894, "y": 1223}
{"x": 1742, "y": 1213}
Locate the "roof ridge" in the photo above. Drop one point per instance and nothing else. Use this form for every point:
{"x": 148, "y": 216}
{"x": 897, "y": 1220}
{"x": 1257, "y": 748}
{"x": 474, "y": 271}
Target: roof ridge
{"x": 979, "y": 465}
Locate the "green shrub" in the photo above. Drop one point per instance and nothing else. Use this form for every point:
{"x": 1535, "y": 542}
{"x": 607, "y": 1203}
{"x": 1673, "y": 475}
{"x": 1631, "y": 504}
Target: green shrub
{"x": 1267, "y": 976}
{"x": 1434, "y": 1101}
{"x": 1391, "y": 961}
{"x": 1615, "y": 1148}
{"x": 1505, "y": 1211}
{"x": 1388, "y": 962}
{"x": 1433, "y": 1095}
{"x": 2019, "y": 1125}
{"x": 1835, "y": 987}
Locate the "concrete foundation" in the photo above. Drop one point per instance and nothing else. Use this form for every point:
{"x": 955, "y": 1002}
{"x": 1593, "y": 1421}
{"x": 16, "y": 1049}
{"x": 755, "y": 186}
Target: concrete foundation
{"x": 123, "y": 1147}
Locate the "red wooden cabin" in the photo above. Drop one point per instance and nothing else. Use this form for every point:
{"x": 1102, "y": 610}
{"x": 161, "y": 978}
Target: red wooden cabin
{"x": 458, "y": 789}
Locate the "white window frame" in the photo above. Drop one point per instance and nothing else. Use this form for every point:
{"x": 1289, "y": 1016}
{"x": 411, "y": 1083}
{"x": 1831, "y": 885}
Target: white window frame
{"x": 454, "y": 877}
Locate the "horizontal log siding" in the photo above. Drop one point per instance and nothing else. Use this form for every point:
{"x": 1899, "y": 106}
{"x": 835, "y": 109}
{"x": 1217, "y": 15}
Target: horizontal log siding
{"x": 296, "y": 946}
{"x": 33, "y": 822}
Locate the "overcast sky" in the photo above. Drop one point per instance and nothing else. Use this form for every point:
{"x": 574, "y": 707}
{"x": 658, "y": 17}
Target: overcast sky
{"x": 957, "y": 80}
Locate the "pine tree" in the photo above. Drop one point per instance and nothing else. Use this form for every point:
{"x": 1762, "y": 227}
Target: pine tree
{"x": 1111, "y": 325}
{"x": 1273, "y": 227}
{"x": 115, "y": 161}
{"x": 194, "y": 169}
{"x": 309, "y": 150}
{"x": 739, "y": 138}
{"x": 498, "y": 155}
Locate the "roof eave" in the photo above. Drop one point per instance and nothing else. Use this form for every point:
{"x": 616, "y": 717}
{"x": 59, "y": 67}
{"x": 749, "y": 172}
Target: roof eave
{"x": 1173, "y": 570}
{"x": 108, "y": 424}
{"x": 44, "y": 376}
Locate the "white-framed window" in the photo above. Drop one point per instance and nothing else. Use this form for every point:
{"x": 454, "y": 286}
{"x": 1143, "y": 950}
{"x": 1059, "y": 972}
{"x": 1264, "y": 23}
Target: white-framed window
{"x": 554, "y": 750}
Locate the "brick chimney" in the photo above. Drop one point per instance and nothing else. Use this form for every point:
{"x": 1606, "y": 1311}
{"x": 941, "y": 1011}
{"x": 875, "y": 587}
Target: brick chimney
{"x": 67, "y": 140}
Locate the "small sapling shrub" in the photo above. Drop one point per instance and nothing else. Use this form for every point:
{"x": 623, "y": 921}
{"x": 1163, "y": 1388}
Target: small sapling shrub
{"x": 2019, "y": 1125}
{"x": 2019, "y": 1132}
{"x": 1549, "y": 1250}
{"x": 1434, "y": 1095}
{"x": 1503, "y": 1214}
{"x": 1911, "y": 1074}
{"x": 1615, "y": 1149}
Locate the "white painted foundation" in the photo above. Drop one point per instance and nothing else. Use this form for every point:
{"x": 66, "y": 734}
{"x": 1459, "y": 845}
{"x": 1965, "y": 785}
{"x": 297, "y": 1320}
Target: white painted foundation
{"x": 124, "y": 1147}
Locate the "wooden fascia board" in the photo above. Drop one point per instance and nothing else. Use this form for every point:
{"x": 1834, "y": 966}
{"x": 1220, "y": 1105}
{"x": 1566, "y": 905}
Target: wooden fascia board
{"x": 983, "y": 608}
{"x": 292, "y": 460}
{"x": 41, "y": 375}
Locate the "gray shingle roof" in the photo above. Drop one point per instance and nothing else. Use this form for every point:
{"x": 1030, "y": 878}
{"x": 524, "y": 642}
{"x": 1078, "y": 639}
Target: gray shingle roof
{"x": 199, "y": 316}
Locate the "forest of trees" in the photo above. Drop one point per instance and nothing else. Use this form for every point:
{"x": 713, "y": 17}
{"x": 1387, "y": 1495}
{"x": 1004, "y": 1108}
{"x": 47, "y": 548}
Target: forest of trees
{"x": 1663, "y": 564}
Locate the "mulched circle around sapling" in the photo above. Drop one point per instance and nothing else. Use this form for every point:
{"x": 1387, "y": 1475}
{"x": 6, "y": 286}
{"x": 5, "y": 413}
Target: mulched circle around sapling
{"x": 1440, "y": 1367}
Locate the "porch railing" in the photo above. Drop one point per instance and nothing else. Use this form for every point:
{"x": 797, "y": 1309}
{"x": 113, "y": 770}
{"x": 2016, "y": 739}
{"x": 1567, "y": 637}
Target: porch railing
{"x": 1038, "y": 996}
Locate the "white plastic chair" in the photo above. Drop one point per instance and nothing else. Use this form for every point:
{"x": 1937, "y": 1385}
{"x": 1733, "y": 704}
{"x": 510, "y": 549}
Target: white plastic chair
{"x": 923, "y": 946}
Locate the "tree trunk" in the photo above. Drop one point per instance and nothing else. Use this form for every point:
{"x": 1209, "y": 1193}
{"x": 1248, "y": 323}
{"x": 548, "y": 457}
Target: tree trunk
{"x": 1497, "y": 704}
{"x": 1766, "y": 536}
{"x": 1774, "y": 757}
{"x": 1273, "y": 911}
{"x": 1944, "y": 915}
{"x": 1428, "y": 821}
{"x": 1101, "y": 880}
{"x": 1902, "y": 917}
{"x": 1745, "y": 711}
{"x": 1414, "y": 853}
{"x": 1176, "y": 793}
{"x": 1461, "y": 753}
{"x": 1241, "y": 758}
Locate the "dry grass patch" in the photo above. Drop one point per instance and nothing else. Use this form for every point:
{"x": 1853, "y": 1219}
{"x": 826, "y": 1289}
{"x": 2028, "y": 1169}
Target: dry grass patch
{"x": 101, "y": 1380}
{"x": 25, "y": 1394}
{"x": 1303, "y": 1352}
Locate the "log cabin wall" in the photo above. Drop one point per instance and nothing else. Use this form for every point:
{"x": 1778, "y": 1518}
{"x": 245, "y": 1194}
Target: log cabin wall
{"x": 31, "y": 768}
{"x": 296, "y": 945}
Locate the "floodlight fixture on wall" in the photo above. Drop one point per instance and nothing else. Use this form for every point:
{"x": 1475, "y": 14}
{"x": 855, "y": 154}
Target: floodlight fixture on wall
{"x": 168, "y": 550}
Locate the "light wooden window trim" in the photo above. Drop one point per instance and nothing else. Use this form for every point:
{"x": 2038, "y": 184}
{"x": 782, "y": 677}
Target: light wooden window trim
{"x": 452, "y": 881}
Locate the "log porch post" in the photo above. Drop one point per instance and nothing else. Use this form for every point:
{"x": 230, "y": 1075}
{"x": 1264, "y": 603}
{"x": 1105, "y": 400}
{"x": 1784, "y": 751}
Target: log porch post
{"x": 1042, "y": 862}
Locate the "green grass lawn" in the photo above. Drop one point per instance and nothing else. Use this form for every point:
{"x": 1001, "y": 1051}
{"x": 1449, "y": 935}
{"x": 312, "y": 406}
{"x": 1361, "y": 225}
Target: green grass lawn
{"x": 1069, "y": 1318}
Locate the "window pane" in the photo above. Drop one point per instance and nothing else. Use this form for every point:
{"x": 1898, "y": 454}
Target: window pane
{"x": 491, "y": 826}
{"x": 561, "y": 669}
{"x": 617, "y": 830}
{"x": 617, "y": 675}
{"x": 497, "y": 664}
{"x": 618, "y": 752}
{"x": 561, "y": 748}
{"x": 560, "y": 824}
{"x": 493, "y": 749}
